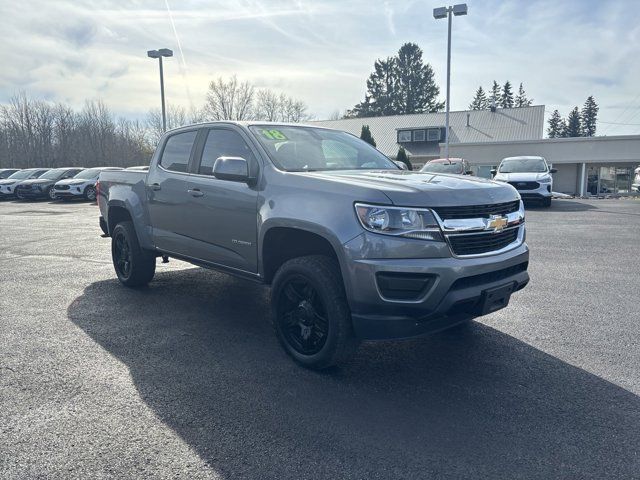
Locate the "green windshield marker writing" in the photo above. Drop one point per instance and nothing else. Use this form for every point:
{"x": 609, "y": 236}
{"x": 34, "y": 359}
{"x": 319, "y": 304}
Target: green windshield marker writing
{"x": 273, "y": 134}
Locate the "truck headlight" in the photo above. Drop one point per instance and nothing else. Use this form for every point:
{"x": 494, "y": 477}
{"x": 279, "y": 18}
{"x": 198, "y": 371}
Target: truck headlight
{"x": 418, "y": 223}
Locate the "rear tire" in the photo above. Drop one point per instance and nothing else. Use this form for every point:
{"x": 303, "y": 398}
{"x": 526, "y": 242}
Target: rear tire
{"x": 312, "y": 320}
{"x": 134, "y": 266}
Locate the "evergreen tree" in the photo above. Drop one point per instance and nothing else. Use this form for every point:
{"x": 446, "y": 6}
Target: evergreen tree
{"x": 400, "y": 85}
{"x": 521, "y": 98}
{"x": 589, "y": 117}
{"x": 574, "y": 128}
{"x": 556, "y": 125}
{"x": 402, "y": 157}
{"x": 380, "y": 90}
{"x": 506, "y": 100}
{"x": 365, "y": 134}
{"x": 496, "y": 93}
{"x": 416, "y": 90}
{"x": 480, "y": 101}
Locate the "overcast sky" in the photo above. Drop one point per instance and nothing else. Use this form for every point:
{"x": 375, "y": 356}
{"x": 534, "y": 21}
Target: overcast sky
{"x": 320, "y": 51}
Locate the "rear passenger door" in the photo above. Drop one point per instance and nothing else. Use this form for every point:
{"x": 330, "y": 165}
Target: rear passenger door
{"x": 223, "y": 213}
{"x": 166, "y": 192}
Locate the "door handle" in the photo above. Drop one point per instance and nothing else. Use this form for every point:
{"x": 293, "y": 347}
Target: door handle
{"x": 195, "y": 192}
{"x": 155, "y": 186}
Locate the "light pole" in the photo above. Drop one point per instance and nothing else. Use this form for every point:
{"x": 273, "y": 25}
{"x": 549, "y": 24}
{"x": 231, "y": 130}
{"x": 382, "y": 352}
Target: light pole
{"x": 447, "y": 12}
{"x": 162, "y": 52}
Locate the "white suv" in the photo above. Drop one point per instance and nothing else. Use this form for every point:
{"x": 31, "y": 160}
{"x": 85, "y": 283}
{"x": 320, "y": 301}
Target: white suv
{"x": 83, "y": 185}
{"x": 531, "y": 176}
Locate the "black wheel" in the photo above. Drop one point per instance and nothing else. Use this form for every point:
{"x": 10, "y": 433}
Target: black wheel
{"x": 51, "y": 193}
{"x": 134, "y": 266}
{"x": 311, "y": 316}
{"x": 90, "y": 193}
{"x": 546, "y": 203}
{"x": 18, "y": 196}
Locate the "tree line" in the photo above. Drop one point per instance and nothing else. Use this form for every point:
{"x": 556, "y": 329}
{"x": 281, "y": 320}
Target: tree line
{"x": 35, "y": 133}
{"x": 579, "y": 123}
{"x": 500, "y": 96}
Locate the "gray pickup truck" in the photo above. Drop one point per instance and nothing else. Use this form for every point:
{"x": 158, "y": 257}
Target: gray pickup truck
{"x": 354, "y": 247}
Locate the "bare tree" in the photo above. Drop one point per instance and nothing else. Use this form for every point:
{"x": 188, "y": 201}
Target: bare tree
{"x": 37, "y": 133}
{"x": 229, "y": 100}
{"x": 176, "y": 117}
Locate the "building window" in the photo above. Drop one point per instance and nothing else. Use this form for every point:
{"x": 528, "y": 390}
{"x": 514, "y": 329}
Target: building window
{"x": 434, "y": 135}
{"x": 404, "y": 136}
{"x": 419, "y": 135}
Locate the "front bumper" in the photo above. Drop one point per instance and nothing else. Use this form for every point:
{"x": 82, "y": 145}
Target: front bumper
{"x": 456, "y": 292}
{"x": 68, "y": 193}
{"x": 31, "y": 193}
{"x": 540, "y": 193}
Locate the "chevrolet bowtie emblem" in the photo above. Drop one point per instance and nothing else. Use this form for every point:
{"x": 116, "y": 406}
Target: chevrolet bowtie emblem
{"x": 497, "y": 223}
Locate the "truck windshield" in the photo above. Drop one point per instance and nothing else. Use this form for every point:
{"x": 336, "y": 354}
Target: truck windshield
{"x": 523, "y": 165}
{"x": 305, "y": 149}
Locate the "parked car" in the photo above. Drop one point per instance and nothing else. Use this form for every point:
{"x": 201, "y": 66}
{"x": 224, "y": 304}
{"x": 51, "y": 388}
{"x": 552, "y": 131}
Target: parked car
{"x": 636, "y": 180}
{"x": 83, "y": 185}
{"x": 8, "y": 185}
{"x": 42, "y": 187}
{"x": 531, "y": 176}
{"x": 353, "y": 247}
{"x": 6, "y": 172}
{"x": 457, "y": 166}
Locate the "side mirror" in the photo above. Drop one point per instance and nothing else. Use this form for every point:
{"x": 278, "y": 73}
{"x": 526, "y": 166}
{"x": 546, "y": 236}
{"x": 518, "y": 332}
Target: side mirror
{"x": 494, "y": 172}
{"x": 553, "y": 170}
{"x": 234, "y": 169}
{"x": 402, "y": 165}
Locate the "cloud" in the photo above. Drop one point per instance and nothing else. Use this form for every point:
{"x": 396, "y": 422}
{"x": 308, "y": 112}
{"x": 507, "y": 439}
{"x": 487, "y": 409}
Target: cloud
{"x": 320, "y": 51}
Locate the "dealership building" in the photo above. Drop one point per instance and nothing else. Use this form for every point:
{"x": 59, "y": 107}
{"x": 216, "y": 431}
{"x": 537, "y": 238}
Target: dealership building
{"x": 585, "y": 165}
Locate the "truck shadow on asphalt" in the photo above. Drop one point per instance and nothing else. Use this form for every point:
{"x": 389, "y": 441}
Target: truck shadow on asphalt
{"x": 473, "y": 402}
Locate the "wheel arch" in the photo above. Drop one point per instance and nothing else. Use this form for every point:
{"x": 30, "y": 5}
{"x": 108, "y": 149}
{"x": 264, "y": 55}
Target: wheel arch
{"x": 283, "y": 241}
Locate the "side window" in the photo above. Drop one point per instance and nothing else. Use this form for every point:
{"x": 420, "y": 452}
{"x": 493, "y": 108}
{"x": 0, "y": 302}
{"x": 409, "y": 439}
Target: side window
{"x": 223, "y": 143}
{"x": 177, "y": 151}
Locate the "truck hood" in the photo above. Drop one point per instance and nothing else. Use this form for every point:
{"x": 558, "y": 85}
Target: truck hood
{"x": 521, "y": 177}
{"x": 424, "y": 189}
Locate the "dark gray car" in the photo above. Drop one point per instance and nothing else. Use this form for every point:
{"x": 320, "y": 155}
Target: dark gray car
{"x": 353, "y": 247}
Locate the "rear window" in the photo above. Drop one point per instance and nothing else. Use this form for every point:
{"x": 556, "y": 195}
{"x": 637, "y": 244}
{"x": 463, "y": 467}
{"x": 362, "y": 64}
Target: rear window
{"x": 177, "y": 151}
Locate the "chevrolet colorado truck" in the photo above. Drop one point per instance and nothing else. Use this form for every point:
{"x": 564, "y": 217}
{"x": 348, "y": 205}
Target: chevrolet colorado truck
{"x": 353, "y": 247}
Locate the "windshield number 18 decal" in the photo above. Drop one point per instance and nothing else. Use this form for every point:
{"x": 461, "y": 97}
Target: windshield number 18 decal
{"x": 274, "y": 134}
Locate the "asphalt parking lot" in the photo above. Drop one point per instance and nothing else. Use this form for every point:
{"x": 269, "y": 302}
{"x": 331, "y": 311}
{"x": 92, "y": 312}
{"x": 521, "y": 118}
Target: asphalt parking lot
{"x": 185, "y": 379}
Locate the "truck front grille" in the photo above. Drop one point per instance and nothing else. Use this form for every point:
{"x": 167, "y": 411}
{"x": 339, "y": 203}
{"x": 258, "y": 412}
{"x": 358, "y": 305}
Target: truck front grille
{"x": 477, "y": 211}
{"x": 525, "y": 185}
{"x": 483, "y": 242}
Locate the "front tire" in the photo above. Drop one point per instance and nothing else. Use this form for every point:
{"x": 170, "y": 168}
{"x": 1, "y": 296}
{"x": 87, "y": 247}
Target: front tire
{"x": 546, "y": 203}
{"x": 52, "y": 194}
{"x": 90, "y": 193}
{"x": 312, "y": 320}
{"x": 134, "y": 266}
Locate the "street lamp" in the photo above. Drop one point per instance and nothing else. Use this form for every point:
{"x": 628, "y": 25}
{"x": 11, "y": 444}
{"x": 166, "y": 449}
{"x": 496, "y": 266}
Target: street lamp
{"x": 439, "y": 13}
{"x": 162, "y": 52}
